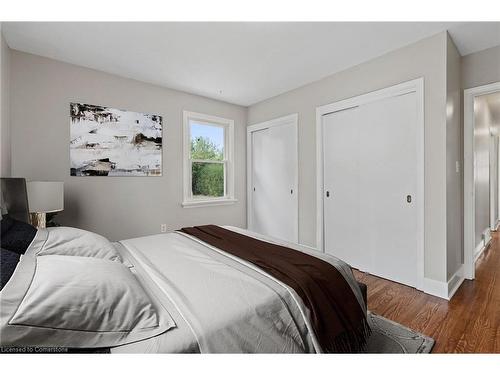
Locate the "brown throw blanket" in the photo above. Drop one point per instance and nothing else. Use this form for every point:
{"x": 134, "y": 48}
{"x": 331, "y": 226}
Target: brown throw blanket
{"x": 338, "y": 320}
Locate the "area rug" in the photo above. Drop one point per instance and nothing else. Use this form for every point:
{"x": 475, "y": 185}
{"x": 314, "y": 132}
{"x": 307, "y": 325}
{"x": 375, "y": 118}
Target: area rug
{"x": 391, "y": 337}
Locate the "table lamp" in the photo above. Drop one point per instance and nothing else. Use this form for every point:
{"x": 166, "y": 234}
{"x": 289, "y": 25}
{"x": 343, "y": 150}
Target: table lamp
{"x": 44, "y": 197}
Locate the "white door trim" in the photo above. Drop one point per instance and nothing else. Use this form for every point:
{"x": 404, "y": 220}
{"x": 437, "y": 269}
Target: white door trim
{"x": 289, "y": 119}
{"x": 417, "y": 86}
{"x": 493, "y": 173}
{"x": 469, "y": 194}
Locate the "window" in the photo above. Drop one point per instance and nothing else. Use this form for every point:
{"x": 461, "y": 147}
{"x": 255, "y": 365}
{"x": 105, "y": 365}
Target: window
{"x": 208, "y": 160}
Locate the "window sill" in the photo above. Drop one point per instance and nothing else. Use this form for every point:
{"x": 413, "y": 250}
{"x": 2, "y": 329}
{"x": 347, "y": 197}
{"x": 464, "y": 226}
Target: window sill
{"x": 208, "y": 202}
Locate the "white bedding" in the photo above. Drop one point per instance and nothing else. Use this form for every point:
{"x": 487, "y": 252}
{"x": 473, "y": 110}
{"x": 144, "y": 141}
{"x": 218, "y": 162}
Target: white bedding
{"x": 221, "y": 303}
{"x": 206, "y": 300}
{"x": 72, "y": 242}
{"x": 78, "y": 302}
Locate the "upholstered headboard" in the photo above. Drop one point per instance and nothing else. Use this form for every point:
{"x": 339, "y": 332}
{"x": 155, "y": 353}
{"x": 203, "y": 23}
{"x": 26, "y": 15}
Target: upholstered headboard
{"x": 14, "y": 198}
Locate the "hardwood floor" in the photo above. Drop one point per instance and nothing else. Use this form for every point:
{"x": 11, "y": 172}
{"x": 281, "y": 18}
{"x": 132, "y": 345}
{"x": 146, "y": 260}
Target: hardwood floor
{"x": 469, "y": 323}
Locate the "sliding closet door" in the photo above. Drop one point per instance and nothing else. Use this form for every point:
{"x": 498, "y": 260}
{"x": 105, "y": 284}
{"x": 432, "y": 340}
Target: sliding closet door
{"x": 342, "y": 206}
{"x": 370, "y": 171}
{"x": 274, "y": 174}
{"x": 389, "y": 168}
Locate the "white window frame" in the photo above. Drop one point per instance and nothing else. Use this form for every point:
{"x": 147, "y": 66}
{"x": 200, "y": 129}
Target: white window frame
{"x": 228, "y": 125}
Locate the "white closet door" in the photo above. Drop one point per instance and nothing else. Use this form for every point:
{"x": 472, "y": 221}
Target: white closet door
{"x": 274, "y": 174}
{"x": 373, "y": 183}
{"x": 389, "y": 169}
{"x": 342, "y": 190}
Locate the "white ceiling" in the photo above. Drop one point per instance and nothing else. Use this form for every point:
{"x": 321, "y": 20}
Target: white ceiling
{"x": 241, "y": 63}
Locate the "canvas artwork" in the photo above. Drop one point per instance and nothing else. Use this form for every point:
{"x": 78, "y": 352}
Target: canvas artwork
{"x": 113, "y": 142}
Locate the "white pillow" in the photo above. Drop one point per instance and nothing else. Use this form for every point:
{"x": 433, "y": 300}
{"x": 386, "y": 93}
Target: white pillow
{"x": 80, "y": 302}
{"x": 72, "y": 241}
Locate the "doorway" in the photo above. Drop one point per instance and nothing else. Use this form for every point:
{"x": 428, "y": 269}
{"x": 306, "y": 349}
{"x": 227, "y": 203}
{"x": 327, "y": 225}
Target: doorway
{"x": 272, "y": 164}
{"x": 481, "y": 170}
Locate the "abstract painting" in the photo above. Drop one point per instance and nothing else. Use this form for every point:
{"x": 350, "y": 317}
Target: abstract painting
{"x": 113, "y": 142}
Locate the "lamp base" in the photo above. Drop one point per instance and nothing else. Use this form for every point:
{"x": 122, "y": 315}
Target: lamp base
{"x": 38, "y": 219}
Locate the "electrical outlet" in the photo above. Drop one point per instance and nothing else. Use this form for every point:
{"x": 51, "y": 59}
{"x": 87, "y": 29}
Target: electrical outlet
{"x": 163, "y": 228}
{"x": 457, "y": 166}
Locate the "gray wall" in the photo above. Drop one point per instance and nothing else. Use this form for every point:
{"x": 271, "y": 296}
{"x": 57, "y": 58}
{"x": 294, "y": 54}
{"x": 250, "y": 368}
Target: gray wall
{"x": 454, "y": 179}
{"x": 41, "y": 90}
{"x": 426, "y": 58}
{"x": 5, "y": 157}
{"x": 482, "y": 138}
{"x": 481, "y": 68}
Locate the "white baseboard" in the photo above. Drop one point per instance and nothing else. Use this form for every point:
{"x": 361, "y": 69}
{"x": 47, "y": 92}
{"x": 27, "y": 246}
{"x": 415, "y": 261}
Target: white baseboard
{"x": 435, "y": 288}
{"x": 495, "y": 227}
{"x": 481, "y": 247}
{"x": 478, "y": 250}
{"x": 487, "y": 235}
{"x": 455, "y": 281}
{"x": 442, "y": 289}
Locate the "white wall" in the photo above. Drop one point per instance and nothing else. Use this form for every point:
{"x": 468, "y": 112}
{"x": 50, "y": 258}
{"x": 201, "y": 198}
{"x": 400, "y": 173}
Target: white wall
{"x": 5, "y": 154}
{"x": 426, "y": 58}
{"x": 454, "y": 154}
{"x": 482, "y": 139}
{"x": 481, "y": 68}
{"x": 117, "y": 207}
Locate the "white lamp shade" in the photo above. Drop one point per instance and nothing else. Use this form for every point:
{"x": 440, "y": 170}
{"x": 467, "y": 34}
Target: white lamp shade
{"x": 45, "y": 196}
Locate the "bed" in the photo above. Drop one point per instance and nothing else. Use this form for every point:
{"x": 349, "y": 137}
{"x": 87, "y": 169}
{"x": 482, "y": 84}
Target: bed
{"x": 167, "y": 293}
